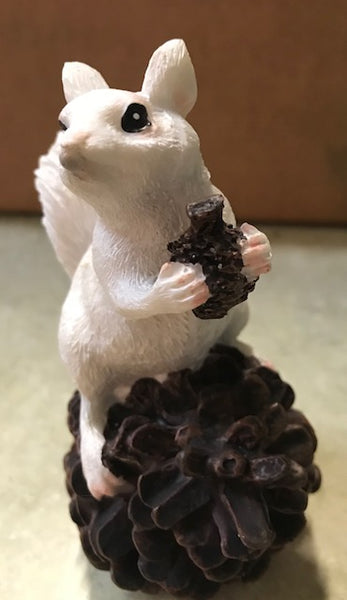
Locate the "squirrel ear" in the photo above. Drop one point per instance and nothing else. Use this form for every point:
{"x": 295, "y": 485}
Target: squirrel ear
{"x": 79, "y": 78}
{"x": 170, "y": 79}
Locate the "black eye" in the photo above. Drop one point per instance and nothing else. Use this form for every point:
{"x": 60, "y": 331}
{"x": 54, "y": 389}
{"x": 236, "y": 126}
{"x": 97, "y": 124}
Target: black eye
{"x": 135, "y": 118}
{"x": 62, "y": 125}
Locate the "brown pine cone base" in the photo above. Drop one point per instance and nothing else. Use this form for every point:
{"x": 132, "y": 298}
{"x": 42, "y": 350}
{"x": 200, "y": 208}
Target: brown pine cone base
{"x": 221, "y": 465}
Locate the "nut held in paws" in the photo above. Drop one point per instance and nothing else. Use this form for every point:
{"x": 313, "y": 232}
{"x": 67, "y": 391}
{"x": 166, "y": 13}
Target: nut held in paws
{"x": 215, "y": 245}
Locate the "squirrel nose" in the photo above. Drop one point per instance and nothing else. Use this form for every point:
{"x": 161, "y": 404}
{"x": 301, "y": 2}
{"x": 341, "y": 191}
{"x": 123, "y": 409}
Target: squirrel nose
{"x": 71, "y": 150}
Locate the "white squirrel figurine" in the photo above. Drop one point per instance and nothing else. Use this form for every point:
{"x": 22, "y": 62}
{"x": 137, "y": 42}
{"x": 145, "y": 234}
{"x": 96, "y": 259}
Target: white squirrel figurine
{"x": 114, "y": 189}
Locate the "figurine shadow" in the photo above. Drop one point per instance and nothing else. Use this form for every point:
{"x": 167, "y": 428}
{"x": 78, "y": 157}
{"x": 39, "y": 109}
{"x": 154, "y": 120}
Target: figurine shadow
{"x": 293, "y": 573}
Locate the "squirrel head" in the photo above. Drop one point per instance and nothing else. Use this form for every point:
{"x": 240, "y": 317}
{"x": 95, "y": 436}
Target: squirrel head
{"x": 125, "y": 138}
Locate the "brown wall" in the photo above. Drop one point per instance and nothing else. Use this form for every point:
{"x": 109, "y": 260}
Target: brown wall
{"x": 272, "y": 74}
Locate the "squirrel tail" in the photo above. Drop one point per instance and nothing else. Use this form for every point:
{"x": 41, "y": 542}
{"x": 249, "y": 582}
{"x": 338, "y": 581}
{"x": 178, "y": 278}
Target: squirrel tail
{"x": 68, "y": 220}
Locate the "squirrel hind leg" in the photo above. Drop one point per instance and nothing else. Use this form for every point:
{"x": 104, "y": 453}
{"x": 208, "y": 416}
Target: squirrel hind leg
{"x": 100, "y": 481}
{"x": 93, "y": 415}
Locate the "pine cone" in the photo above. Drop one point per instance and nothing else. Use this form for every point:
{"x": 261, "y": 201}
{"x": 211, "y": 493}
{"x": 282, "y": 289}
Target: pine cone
{"x": 216, "y": 246}
{"x": 221, "y": 466}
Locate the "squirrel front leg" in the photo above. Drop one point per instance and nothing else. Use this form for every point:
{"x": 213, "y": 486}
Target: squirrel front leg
{"x": 178, "y": 288}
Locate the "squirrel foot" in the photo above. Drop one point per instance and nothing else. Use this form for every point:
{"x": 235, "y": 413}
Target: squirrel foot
{"x": 101, "y": 482}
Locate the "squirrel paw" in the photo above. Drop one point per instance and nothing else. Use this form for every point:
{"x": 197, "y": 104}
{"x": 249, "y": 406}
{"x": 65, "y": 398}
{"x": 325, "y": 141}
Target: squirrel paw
{"x": 267, "y": 363}
{"x": 181, "y": 287}
{"x": 102, "y": 482}
{"x": 256, "y": 252}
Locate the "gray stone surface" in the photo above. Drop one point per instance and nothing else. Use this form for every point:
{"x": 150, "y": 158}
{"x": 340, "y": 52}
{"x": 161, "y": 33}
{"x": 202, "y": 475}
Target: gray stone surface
{"x": 298, "y": 321}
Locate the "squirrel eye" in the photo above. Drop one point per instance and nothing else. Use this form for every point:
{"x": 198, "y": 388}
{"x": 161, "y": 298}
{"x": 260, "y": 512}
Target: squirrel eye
{"x": 135, "y": 118}
{"x": 62, "y": 126}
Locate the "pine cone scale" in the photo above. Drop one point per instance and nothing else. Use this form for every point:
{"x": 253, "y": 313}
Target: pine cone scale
{"x": 250, "y": 516}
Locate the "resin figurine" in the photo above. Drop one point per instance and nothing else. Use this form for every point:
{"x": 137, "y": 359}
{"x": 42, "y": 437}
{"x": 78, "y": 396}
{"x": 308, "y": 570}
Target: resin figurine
{"x": 114, "y": 189}
{"x": 189, "y": 465}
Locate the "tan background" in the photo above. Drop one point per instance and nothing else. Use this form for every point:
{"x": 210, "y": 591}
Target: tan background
{"x": 272, "y": 108}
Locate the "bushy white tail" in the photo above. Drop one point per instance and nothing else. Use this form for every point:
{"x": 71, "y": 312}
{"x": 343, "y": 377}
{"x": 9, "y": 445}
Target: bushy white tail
{"x": 68, "y": 220}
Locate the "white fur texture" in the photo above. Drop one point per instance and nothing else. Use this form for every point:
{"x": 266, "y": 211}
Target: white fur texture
{"x": 68, "y": 219}
{"x": 117, "y": 199}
